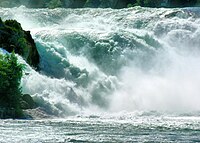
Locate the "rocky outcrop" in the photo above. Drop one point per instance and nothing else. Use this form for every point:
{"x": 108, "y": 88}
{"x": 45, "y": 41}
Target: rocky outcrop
{"x": 14, "y": 38}
{"x": 27, "y": 102}
{"x": 36, "y": 113}
{"x": 67, "y": 3}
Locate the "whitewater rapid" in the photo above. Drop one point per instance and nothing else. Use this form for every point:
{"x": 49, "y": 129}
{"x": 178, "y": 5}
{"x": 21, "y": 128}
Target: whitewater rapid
{"x": 105, "y": 60}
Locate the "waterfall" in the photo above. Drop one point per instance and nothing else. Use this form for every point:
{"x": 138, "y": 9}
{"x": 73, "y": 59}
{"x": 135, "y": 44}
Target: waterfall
{"x": 113, "y": 60}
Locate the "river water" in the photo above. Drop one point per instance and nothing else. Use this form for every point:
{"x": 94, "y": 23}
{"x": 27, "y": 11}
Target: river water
{"x": 128, "y": 75}
{"x": 126, "y": 128}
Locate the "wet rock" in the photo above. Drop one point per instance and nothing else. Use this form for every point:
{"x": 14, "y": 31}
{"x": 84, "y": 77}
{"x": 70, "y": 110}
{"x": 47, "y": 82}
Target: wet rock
{"x": 14, "y": 38}
{"x": 37, "y": 113}
{"x": 27, "y": 102}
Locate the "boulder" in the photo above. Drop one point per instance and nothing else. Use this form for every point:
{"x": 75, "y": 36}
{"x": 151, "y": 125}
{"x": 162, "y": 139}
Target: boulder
{"x": 27, "y": 102}
{"x": 14, "y": 38}
{"x": 37, "y": 113}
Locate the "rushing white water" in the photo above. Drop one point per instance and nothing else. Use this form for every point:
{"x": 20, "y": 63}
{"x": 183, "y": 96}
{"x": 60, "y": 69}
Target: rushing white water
{"x": 113, "y": 60}
{"x": 85, "y": 129}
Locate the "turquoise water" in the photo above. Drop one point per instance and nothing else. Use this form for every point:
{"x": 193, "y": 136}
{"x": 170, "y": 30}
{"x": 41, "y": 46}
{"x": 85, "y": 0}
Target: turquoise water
{"x": 128, "y": 75}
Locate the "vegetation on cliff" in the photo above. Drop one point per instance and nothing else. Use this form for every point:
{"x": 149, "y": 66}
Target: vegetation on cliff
{"x": 10, "y": 90}
{"x": 165, "y": 3}
{"x": 98, "y": 3}
{"x": 14, "y": 38}
{"x": 12, "y": 101}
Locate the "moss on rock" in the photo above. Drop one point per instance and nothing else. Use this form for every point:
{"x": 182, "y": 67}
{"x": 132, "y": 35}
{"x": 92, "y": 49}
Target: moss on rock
{"x": 14, "y": 38}
{"x": 27, "y": 102}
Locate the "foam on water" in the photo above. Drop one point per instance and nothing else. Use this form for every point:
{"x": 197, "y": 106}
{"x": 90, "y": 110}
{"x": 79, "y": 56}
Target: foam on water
{"x": 113, "y": 60}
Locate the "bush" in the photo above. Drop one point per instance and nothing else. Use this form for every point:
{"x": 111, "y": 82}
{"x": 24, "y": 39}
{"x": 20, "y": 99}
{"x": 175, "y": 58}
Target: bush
{"x": 14, "y": 38}
{"x": 92, "y": 3}
{"x": 54, "y": 4}
{"x": 148, "y": 3}
{"x": 10, "y": 90}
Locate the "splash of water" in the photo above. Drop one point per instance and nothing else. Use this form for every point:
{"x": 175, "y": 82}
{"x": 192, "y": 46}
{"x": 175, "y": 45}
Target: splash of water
{"x": 129, "y": 59}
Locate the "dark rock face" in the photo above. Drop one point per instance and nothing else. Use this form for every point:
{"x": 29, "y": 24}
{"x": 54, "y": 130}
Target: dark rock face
{"x": 37, "y": 3}
{"x": 37, "y": 113}
{"x": 27, "y": 102}
{"x": 98, "y": 3}
{"x": 14, "y": 38}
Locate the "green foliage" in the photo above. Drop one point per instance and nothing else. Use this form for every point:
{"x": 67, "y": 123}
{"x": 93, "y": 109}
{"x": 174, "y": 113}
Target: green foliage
{"x": 140, "y": 2}
{"x": 10, "y": 77}
{"x": 183, "y": 3}
{"x": 198, "y": 3}
{"x": 13, "y": 24}
{"x": 14, "y": 38}
{"x": 54, "y": 4}
{"x": 97, "y": 3}
{"x": 150, "y": 3}
{"x": 129, "y": 5}
{"x": 92, "y": 3}
{"x": 105, "y": 4}
{"x": 160, "y": 3}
